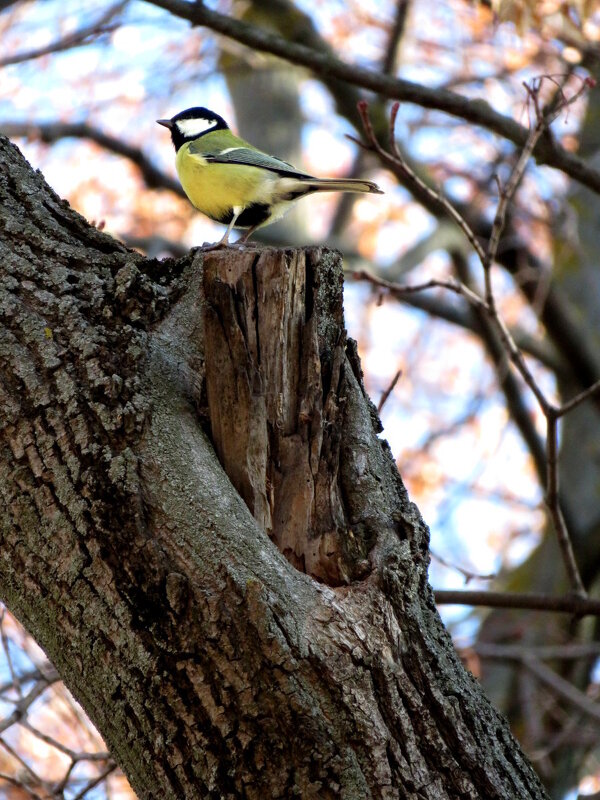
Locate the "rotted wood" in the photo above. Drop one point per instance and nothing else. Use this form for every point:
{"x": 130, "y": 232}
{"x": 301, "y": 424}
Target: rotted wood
{"x": 274, "y": 376}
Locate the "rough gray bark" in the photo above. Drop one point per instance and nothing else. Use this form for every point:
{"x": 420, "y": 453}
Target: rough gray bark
{"x": 210, "y": 664}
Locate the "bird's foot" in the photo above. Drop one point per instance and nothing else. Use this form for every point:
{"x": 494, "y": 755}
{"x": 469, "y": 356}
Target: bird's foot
{"x": 251, "y": 245}
{"x": 208, "y": 247}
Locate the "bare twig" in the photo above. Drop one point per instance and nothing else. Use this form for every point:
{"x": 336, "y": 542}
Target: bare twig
{"x": 76, "y": 39}
{"x": 547, "y": 652}
{"x": 487, "y": 303}
{"x": 400, "y": 289}
{"x": 468, "y": 574}
{"x": 506, "y": 194}
{"x": 543, "y": 121}
{"x": 16, "y": 684}
{"x": 21, "y": 678}
{"x": 478, "y": 302}
{"x": 16, "y": 781}
{"x": 568, "y": 604}
{"x": 34, "y": 776}
{"x": 23, "y": 704}
{"x": 439, "y": 307}
{"x": 512, "y": 388}
{"x": 388, "y": 391}
{"x": 73, "y": 755}
{"x": 553, "y": 502}
{"x": 38, "y": 680}
{"x": 578, "y": 399}
{"x": 563, "y": 688}
{"x": 389, "y": 61}
{"x": 95, "y": 782}
{"x": 395, "y": 159}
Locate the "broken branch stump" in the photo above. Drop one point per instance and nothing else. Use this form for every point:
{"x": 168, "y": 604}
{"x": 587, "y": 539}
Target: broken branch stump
{"x": 275, "y": 363}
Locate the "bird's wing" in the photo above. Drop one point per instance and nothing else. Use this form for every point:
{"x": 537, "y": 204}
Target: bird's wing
{"x": 251, "y": 158}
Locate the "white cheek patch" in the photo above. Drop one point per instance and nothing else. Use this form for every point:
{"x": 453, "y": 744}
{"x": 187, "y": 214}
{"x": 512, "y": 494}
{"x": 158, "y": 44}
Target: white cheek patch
{"x": 194, "y": 127}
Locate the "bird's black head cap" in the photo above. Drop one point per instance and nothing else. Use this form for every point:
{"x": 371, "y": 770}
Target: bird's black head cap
{"x": 191, "y": 124}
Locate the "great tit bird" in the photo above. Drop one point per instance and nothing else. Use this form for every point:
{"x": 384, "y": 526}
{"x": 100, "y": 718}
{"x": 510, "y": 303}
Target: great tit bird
{"x": 233, "y": 182}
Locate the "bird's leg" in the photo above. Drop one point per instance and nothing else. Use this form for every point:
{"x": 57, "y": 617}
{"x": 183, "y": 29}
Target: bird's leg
{"x": 248, "y": 234}
{"x": 224, "y": 241}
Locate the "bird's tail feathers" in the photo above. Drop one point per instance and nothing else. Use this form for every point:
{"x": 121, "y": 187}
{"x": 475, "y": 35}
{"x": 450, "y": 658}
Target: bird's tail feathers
{"x": 340, "y": 185}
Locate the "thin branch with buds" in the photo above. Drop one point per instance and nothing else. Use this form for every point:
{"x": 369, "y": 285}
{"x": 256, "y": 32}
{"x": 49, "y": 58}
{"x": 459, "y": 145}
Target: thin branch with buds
{"x": 487, "y": 303}
{"x": 394, "y": 158}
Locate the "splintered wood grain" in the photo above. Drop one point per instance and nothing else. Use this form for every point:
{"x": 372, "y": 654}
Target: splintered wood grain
{"x": 273, "y": 376}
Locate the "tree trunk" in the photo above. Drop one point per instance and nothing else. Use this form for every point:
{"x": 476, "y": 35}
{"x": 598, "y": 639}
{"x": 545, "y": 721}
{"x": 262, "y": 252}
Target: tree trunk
{"x": 211, "y": 664}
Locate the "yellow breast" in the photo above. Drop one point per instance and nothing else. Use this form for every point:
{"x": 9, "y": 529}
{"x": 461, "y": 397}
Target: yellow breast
{"x": 215, "y": 189}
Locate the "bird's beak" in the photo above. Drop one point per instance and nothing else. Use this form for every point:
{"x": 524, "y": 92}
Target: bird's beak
{"x": 166, "y": 122}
